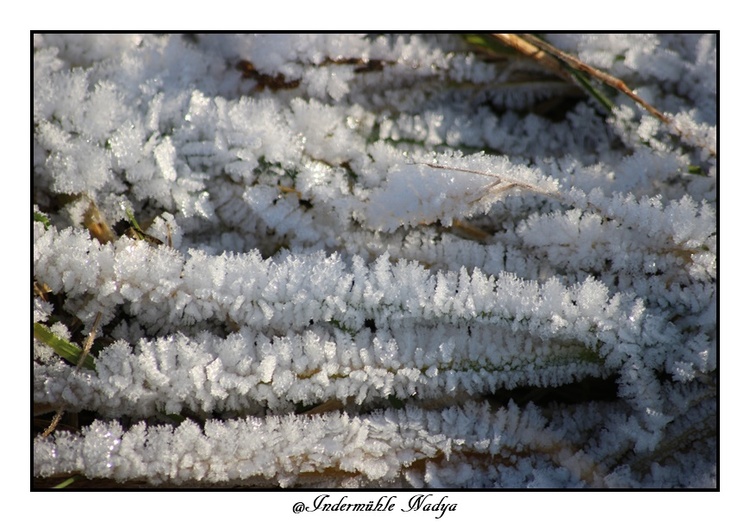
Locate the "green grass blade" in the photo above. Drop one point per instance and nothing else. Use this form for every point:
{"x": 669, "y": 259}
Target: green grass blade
{"x": 38, "y": 216}
{"x": 65, "y": 349}
{"x": 65, "y": 483}
{"x": 132, "y": 220}
{"x": 488, "y": 44}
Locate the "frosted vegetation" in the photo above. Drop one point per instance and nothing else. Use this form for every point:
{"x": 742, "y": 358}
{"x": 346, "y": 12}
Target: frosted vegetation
{"x": 404, "y": 261}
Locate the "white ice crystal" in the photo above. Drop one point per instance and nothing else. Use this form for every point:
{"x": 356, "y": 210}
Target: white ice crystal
{"x": 375, "y": 261}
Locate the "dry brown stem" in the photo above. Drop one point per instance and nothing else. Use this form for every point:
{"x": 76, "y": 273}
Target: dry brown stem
{"x": 542, "y": 52}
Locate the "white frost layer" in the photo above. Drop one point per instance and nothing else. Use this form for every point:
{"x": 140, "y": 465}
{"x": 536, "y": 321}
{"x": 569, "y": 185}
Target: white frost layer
{"x": 360, "y": 218}
{"x": 510, "y": 447}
